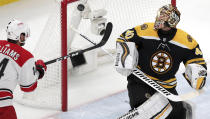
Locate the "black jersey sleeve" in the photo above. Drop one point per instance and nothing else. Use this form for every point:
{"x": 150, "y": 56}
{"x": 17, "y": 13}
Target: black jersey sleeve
{"x": 195, "y": 55}
{"x": 129, "y": 35}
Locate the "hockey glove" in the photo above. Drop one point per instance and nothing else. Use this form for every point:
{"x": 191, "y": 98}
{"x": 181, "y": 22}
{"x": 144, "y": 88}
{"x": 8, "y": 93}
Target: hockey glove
{"x": 41, "y": 68}
{"x": 126, "y": 58}
{"x": 196, "y": 75}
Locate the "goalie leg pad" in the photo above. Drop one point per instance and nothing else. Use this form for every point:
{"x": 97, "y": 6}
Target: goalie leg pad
{"x": 156, "y": 107}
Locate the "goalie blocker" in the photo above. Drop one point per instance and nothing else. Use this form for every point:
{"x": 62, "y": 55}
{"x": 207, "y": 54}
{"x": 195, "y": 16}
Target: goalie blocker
{"x": 126, "y": 58}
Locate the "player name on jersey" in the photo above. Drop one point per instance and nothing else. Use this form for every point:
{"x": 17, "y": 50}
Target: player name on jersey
{"x": 9, "y": 52}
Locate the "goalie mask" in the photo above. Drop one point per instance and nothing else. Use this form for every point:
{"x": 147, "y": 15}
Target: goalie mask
{"x": 17, "y": 29}
{"x": 167, "y": 16}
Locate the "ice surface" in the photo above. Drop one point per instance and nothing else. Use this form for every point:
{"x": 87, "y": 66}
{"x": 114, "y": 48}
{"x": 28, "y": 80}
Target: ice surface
{"x": 116, "y": 105}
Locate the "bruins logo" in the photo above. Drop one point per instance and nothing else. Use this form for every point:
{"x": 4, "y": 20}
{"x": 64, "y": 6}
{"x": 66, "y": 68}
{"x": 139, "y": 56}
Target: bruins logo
{"x": 161, "y": 62}
{"x": 129, "y": 34}
{"x": 144, "y": 26}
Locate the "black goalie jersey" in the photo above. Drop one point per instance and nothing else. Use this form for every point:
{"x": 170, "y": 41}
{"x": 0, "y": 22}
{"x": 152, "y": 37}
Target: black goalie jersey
{"x": 160, "y": 54}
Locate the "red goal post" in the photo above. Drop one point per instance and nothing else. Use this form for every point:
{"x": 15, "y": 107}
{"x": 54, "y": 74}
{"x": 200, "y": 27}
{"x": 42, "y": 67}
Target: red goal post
{"x": 122, "y": 13}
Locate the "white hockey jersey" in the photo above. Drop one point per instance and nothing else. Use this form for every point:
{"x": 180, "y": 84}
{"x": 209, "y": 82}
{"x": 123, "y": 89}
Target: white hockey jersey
{"x": 17, "y": 66}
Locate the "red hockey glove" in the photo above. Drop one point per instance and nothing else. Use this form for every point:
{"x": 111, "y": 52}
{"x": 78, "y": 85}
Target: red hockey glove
{"x": 41, "y": 68}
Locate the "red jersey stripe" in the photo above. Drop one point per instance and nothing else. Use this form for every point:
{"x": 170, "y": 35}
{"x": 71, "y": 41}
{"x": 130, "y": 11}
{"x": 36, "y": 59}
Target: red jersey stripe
{"x": 29, "y": 88}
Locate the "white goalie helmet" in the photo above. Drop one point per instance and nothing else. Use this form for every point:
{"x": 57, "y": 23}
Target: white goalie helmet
{"x": 15, "y": 28}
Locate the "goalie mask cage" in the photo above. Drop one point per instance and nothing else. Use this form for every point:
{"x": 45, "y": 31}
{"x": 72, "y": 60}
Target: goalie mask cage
{"x": 57, "y": 39}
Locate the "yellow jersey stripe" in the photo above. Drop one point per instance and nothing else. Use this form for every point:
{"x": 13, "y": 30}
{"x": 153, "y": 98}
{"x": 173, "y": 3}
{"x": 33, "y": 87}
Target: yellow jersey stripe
{"x": 193, "y": 60}
{"x": 170, "y": 80}
{"x": 4, "y": 2}
{"x": 166, "y": 86}
{"x": 146, "y": 32}
{"x": 167, "y": 81}
{"x": 185, "y": 39}
{"x": 201, "y": 63}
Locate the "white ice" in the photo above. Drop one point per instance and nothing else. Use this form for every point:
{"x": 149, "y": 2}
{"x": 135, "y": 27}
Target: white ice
{"x": 194, "y": 19}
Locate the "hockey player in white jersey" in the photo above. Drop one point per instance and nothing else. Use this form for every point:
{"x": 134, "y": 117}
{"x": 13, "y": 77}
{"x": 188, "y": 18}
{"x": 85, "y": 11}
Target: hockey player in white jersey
{"x": 17, "y": 67}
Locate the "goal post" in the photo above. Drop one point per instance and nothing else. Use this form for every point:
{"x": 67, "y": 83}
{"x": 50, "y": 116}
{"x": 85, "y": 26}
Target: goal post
{"x": 64, "y": 83}
{"x": 57, "y": 39}
{"x": 173, "y": 2}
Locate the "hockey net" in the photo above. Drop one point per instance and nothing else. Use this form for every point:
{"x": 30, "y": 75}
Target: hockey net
{"x": 57, "y": 39}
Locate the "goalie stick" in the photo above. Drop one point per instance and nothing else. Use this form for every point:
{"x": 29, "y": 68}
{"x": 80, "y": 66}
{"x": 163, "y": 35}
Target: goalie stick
{"x": 72, "y": 54}
{"x": 138, "y": 73}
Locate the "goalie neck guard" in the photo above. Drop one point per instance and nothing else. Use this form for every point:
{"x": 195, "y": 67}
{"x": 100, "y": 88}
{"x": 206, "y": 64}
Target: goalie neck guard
{"x": 167, "y": 15}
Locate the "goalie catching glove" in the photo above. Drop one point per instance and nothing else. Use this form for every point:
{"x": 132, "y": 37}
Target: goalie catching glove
{"x": 196, "y": 75}
{"x": 126, "y": 58}
{"x": 41, "y": 68}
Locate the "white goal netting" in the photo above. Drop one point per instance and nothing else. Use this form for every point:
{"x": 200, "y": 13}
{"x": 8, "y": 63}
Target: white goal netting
{"x": 124, "y": 14}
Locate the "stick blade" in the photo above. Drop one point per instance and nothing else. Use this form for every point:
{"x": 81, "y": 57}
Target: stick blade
{"x": 107, "y": 34}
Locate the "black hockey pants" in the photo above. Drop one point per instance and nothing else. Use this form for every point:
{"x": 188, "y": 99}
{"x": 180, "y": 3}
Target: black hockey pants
{"x": 139, "y": 92}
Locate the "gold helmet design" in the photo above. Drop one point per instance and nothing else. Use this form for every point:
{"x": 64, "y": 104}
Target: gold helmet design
{"x": 167, "y": 15}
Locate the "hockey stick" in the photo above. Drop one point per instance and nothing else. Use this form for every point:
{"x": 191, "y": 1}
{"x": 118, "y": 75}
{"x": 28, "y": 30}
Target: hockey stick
{"x": 85, "y": 37}
{"x": 138, "y": 73}
{"x": 72, "y": 54}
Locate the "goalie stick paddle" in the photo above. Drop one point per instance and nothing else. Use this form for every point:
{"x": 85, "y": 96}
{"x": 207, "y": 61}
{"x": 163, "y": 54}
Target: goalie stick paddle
{"x": 72, "y": 54}
{"x": 138, "y": 73}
